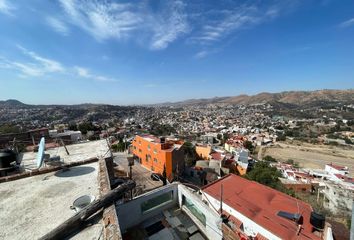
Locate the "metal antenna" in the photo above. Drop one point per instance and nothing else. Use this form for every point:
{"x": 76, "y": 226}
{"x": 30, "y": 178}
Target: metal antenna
{"x": 221, "y": 197}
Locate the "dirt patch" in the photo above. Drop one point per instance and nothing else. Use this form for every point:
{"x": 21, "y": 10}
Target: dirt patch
{"x": 312, "y": 156}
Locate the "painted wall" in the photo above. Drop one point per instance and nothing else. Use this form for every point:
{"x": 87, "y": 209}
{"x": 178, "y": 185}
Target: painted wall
{"x": 203, "y": 152}
{"x": 155, "y": 156}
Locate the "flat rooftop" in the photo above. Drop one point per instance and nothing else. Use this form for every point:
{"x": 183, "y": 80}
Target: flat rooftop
{"x": 31, "y": 207}
{"x": 78, "y": 152}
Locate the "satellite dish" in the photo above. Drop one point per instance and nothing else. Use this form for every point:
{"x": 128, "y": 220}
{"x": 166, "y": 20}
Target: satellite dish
{"x": 40, "y": 155}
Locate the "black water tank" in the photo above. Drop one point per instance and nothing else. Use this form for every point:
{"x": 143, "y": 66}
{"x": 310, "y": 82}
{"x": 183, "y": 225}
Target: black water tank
{"x": 6, "y": 158}
{"x": 317, "y": 220}
{"x": 162, "y": 140}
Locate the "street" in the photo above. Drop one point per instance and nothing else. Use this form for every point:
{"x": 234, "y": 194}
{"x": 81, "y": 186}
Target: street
{"x": 141, "y": 175}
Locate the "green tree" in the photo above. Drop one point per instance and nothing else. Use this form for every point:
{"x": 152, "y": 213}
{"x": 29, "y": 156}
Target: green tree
{"x": 9, "y": 128}
{"x": 265, "y": 174}
{"x": 270, "y": 159}
{"x": 85, "y": 127}
{"x": 249, "y": 146}
{"x": 73, "y": 127}
{"x": 348, "y": 141}
{"x": 281, "y": 137}
{"x": 190, "y": 154}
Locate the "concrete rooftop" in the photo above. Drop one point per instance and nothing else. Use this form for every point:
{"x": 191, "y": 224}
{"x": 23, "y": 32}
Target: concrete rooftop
{"x": 33, "y": 206}
{"x": 78, "y": 152}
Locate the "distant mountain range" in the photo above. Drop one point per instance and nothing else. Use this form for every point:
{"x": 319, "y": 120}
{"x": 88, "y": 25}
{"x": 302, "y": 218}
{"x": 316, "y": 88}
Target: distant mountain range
{"x": 294, "y": 98}
{"x": 12, "y": 103}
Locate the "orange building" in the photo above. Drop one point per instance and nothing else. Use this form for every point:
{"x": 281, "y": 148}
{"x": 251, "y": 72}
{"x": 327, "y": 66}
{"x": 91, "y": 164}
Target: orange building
{"x": 156, "y": 153}
{"x": 203, "y": 151}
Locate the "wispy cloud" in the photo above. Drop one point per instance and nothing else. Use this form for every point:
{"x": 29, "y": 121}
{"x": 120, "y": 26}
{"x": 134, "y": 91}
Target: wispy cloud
{"x": 347, "y": 23}
{"x": 109, "y": 20}
{"x": 48, "y": 65}
{"x": 235, "y": 20}
{"x": 6, "y": 7}
{"x": 38, "y": 66}
{"x": 25, "y": 69}
{"x": 239, "y": 17}
{"x": 102, "y": 20}
{"x": 34, "y": 67}
{"x": 58, "y": 25}
{"x": 85, "y": 73}
{"x": 170, "y": 26}
{"x": 204, "y": 53}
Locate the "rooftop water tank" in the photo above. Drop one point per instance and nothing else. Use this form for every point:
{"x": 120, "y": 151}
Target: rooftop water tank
{"x": 317, "y": 220}
{"x": 7, "y": 157}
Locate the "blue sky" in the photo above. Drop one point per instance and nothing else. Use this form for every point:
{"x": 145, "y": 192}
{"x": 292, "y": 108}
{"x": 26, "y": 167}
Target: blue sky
{"x": 139, "y": 52}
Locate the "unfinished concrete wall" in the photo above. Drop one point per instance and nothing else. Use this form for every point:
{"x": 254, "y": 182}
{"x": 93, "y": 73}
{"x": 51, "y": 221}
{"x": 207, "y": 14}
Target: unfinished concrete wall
{"x": 110, "y": 219}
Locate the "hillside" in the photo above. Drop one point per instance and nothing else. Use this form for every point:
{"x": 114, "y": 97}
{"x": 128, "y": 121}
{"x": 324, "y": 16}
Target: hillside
{"x": 296, "y": 98}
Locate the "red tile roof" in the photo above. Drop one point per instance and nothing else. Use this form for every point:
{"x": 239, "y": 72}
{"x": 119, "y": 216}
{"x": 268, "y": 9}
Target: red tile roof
{"x": 261, "y": 204}
{"x": 217, "y": 156}
{"x": 340, "y": 168}
{"x": 345, "y": 178}
{"x": 261, "y": 237}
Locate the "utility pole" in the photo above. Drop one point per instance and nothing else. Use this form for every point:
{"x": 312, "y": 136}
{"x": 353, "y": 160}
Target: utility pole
{"x": 125, "y": 142}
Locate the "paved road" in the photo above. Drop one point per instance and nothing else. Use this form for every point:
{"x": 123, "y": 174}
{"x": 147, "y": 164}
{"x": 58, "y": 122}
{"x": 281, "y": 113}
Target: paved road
{"x": 141, "y": 175}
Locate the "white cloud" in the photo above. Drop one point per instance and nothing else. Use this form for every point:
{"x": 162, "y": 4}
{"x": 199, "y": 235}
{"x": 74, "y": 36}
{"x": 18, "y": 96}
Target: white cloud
{"x": 26, "y": 69}
{"x": 201, "y": 54}
{"x": 347, "y": 23}
{"x": 169, "y": 27}
{"x": 40, "y": 66}
{"x": 107, "y": 20}
{"x": 46, "y": 64}
{"x": 102, "y": 20}
{"x": 37, "y": 66}
{"x": 58, "y": 25}
{"x": 238, "y": 18}
{"x": 206, "y": 52}
{"x": 85, "y": 73}
{"x": 6, "y": 7}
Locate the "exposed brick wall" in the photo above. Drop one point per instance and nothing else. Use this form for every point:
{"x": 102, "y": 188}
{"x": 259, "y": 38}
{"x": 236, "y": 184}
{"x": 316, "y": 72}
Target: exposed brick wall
{"x": 110, "y": 219}
{"x": 44, "y": 170}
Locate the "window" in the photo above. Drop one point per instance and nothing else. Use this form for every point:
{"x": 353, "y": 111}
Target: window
{"x": 155, "y": 160}
{"x": 155, "y": 151}
{"x": 149, "y": 147}
{"x": 194, "y": 210}
{"x": 156, "y": 202}
{"x": 140, "y": 150}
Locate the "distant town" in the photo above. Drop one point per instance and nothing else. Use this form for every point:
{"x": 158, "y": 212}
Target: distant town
{"x": 268, "y": 166}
